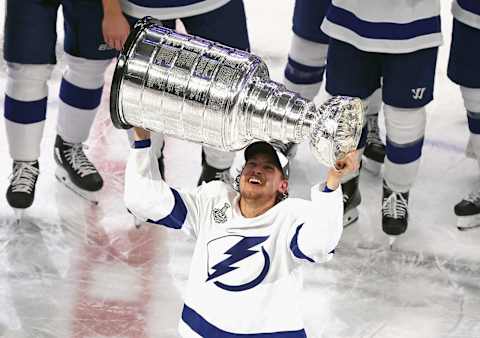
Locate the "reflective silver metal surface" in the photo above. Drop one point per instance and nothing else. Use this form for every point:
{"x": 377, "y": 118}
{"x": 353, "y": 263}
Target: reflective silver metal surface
{"x": 201, "y": 91}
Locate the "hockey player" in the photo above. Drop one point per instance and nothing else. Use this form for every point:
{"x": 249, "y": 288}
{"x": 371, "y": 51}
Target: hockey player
{"x": 303, "y": 73}
{"x": 29, "y": 52}
{"x": 393, "y": 44}
{"x": 247, "y": 242}
{"x": 217, "y": 20}
{"x": 464, "y": 70}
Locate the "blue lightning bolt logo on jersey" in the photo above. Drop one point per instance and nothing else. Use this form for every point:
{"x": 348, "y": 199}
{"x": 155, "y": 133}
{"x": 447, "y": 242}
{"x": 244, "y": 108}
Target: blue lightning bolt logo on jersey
{"x": 241, "y": 250}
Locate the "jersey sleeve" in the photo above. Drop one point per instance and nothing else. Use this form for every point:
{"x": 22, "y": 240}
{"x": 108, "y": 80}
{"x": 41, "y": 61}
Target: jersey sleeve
{"x": 149, "y": 198}
{"x": 318, "y": 226}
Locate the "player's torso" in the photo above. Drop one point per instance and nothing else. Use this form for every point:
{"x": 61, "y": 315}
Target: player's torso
{"x": 256, "y": 248}
{"x": 245, "y": 266}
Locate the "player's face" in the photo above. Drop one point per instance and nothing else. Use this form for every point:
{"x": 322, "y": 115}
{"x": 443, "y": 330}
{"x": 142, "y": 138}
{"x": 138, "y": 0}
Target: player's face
{"x": 262, "y": 179}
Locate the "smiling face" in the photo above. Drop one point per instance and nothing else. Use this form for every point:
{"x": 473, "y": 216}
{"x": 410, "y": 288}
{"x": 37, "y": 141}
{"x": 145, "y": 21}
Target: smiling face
{"x": 261, "y": 180}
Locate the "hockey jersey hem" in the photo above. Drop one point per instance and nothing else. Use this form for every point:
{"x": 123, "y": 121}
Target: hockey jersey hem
{"x": 464, "y": 15}
{"x": 381, "y": 45}
{"x": 167, "y": 13}
{"x": 201, "y": 327}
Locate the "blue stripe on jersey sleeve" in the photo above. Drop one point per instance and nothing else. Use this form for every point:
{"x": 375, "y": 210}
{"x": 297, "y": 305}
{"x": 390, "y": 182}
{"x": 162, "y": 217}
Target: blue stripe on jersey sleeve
{"x": 470, "y": 5}
{"x": 205, "y": 329}
{"x": 294, "y": 246}
{"x": 383, "y": 30}
{"x": 164, "y": 3}
{"x": 178, "y": 215}
{"x": 327, "y": 189}
{"x": 142, "y": 144}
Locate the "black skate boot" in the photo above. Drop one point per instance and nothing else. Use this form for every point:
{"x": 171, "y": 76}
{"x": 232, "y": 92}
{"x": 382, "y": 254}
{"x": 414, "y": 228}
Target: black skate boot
{"x": 394, "y": 212}
{"x": 351, "y": 200}
{"x": 74, "y": 167}
{"x": 210, "y": 173}
{"x": 21, "y": 192}
{"x": 468, "y": 212}
{"x": 374, "y": 152}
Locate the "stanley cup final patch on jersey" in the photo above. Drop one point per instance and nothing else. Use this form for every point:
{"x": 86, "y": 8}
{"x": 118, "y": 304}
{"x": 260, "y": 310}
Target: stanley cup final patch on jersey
{"x": 237, "y": 263}
{"x": 220, "y": 214}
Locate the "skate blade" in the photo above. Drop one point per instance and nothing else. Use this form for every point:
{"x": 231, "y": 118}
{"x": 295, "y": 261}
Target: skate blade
{"x": 137, "y": 222}
{"x": 469, "y": 150}
{"x": 465, "y": 223}
{"x": 62, "y": 176}
{"x": 19, "y": 213}
{"x": 349, "y": 217}
{"x": 391, "y": 241}
{"x": 371, "y": 166}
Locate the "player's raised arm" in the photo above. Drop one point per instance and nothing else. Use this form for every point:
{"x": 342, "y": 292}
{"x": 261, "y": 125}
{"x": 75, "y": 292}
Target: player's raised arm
{"x": 316, "y": 237}
{"x": 148, "y": 197}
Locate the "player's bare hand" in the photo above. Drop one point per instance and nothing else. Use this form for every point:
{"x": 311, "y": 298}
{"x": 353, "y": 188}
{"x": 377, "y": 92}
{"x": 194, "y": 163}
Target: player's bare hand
{"x": 115, "y": 29}
{"x": 345, "y": 166}
{"x": 140, "y": 134}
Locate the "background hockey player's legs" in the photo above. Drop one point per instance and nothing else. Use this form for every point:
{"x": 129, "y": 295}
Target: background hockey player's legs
{"x": 305, "y": 67}
{"x": 25, "y": 108}
{"x": 463, "y": 69}
{"x": 29, "y": 47}
{"x": 307, "y": 57}
{"x": 80, "y": 95}
{"x": 405, "y": 134}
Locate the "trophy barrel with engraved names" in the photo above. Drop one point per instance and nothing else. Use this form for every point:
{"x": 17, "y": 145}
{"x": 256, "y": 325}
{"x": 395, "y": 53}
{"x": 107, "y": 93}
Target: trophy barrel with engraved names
{"x": 205, "y": 92}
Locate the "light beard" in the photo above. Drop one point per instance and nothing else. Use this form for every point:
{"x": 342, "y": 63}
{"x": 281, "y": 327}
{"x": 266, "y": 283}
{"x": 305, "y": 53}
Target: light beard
{"x": 254, "y": 197}
{"x": 250, "y": 195}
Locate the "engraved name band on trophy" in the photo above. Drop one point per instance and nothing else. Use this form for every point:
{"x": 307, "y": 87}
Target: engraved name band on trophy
{"x": 202, "y": 91}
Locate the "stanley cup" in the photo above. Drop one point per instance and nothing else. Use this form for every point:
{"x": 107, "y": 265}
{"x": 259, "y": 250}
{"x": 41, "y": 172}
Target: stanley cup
{"x": 202, "y": 91}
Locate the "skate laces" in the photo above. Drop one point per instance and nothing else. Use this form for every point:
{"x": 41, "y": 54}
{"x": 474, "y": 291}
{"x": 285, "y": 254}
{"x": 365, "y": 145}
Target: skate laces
{"x": 373, "y": 135}
{"x": 395, "y": 205}
{"x": 74, "y": 154}
{"x": 24, "y": 176}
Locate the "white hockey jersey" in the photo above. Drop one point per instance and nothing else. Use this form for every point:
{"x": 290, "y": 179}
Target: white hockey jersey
{"x": 467, "y": 12}
{"x": 383, "y": 26}
{"x": 241, "y": 281}
{"x": 169, "y": 9}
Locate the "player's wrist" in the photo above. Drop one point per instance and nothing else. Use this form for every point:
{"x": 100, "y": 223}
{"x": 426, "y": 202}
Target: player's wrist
{"x": 333, "y": 180}
{"x": 140, "y": 134}
{"x": 111, "y": 8}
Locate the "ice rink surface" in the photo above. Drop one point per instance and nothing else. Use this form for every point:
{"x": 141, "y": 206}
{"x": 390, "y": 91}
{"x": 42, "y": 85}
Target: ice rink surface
{"x": 73, "y": 269}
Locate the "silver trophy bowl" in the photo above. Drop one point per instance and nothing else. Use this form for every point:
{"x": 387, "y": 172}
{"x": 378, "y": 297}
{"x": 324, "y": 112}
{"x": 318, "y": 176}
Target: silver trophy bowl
{"x": 202, "y": 91}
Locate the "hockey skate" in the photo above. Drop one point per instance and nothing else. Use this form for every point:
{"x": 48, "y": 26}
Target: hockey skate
{"x": 210, "y": 173}
{"x": 351, "y": 200}
{"x": 374, "y": 153}
{"x": 468, "y": 212}
{"x": 21, "y": 191}
{"x": 394, "y": 213}
{"x": 75, "y": 170}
